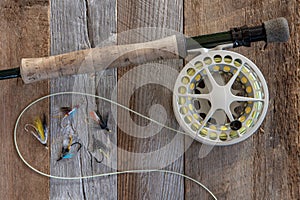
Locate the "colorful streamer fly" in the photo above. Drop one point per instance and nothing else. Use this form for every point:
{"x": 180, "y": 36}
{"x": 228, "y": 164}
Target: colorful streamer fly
{"x": 40, "y": 129}
{"x": 101, "y": 121}
{"x": 67, "y": 144}
{"x": 68, "y": 113}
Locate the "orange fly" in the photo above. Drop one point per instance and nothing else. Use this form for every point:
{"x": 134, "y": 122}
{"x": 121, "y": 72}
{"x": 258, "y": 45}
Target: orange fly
{"x": 68, "y": 115}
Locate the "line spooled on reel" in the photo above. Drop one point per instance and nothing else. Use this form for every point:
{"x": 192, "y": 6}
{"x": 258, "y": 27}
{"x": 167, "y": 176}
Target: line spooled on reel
{"x": 220, "y": 97}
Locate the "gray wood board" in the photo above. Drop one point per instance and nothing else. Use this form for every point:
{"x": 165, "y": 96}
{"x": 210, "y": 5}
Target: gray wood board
{"x": 147, "y": 89}
{"x": 266, "y": 165}
{"x": 79, "y": 25}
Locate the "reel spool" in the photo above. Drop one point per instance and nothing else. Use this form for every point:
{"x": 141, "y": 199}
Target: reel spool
{"x": 220, "y": 97}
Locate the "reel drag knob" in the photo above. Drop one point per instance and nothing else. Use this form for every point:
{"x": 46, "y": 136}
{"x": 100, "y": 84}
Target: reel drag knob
{"x": 220, "y": 98}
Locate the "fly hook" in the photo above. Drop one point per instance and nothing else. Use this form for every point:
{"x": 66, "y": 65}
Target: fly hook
{"x": 100, "y": 120}
{"x": 65, "y": 152}
{"x": 40, "y": 129}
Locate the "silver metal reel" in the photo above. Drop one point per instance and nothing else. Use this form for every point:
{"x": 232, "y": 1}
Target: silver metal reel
{"x": 220, "y": 97}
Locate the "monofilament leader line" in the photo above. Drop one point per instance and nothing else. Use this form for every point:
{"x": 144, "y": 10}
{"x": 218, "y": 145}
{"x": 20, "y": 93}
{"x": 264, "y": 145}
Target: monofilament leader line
{"x": 105, "y": 174}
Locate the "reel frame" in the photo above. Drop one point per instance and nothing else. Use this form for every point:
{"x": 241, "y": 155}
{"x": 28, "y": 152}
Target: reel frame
{"x": 220, "y": 97}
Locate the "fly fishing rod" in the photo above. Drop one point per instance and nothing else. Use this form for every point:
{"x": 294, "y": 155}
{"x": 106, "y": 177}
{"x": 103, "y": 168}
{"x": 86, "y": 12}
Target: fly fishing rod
{"x": 220, "y": 97}
{"x": 97, "y": 59}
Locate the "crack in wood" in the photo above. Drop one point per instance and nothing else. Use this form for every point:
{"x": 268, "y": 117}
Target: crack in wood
{"x": 82, "y": 180}
{"x": 88, "y": 25}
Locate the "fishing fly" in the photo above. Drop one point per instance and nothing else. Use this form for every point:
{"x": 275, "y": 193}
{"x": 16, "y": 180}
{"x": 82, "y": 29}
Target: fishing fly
{"x": 68, "y": 113}
{"x": 98, "y": 145}
{"x": 40, "y": 129}
{"x": 103, "y": 154}
{"x": 67, "y": 144}
{"x": 100, "y": 120}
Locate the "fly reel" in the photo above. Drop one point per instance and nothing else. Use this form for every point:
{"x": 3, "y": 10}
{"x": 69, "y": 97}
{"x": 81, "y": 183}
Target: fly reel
{"x": 220, "y": 97}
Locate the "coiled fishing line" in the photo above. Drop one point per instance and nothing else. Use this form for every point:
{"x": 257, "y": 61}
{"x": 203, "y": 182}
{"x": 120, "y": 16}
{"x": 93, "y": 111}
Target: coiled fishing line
{"x": 104, "y": 174}
{"x": 220, "y": 97}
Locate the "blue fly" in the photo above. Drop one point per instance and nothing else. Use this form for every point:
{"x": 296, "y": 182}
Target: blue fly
{"x": 65, "y": 153}
{"x": 68, "y": 113}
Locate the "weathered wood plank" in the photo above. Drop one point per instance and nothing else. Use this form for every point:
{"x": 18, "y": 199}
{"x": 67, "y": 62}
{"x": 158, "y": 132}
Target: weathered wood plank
{"x": 24, "y": 32}
{"x": 147, "y": 89}
{"x": 265, "y": 166}
{"x": 79, "y": 25}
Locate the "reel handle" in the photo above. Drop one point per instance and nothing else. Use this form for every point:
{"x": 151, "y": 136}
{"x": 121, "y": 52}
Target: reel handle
{"x": 97, "y": 59}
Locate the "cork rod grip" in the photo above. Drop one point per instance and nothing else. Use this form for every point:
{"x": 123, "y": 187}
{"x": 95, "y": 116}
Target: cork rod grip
{"x": 97, "y": 59}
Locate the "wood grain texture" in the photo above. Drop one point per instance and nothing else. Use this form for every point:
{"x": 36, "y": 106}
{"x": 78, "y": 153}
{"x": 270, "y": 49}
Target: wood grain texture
{"x": 265, "y": 166}
{"x": 147, "y": 89}
{"x": 80, "y": 25}
{"x": 24, "y": 31}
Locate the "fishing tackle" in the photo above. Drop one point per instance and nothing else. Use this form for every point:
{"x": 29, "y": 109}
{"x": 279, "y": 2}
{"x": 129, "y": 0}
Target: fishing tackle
{"x": 40, "y": 129}
{"x": 69, "y": 113}
{"x": 220, "y": 97}
{"x": 101, "y": 147}
{"x": 104, "y": 155}
{"x": 101, "y": 121}
{"x": 65, "y": 153}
